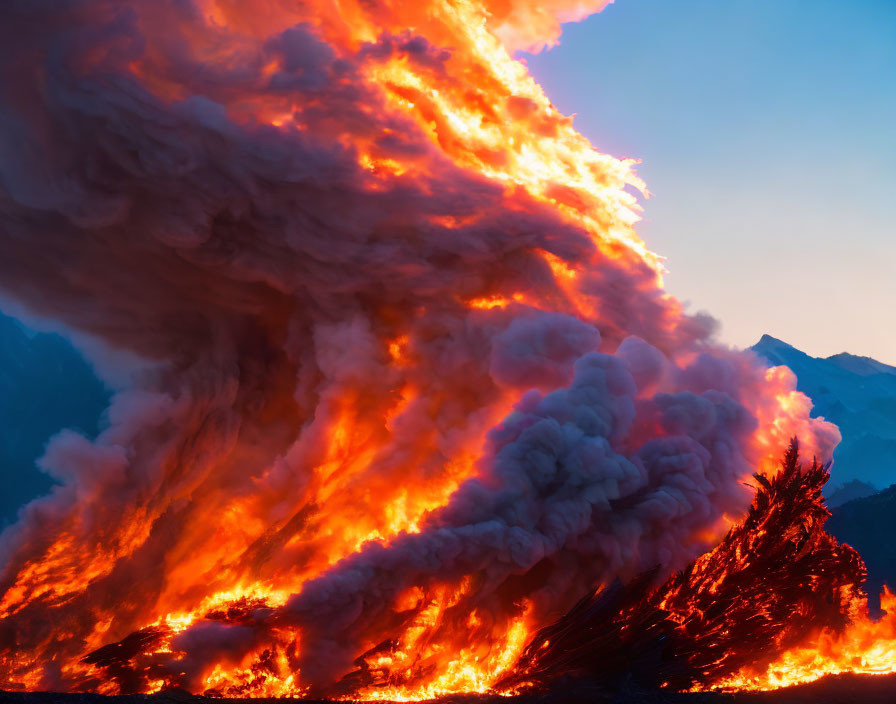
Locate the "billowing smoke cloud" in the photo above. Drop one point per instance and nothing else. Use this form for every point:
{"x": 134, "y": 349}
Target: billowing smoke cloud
{"x": 410, "y": 378}
{"x": 593, "y": 481}
{"x": 533, "y": 26}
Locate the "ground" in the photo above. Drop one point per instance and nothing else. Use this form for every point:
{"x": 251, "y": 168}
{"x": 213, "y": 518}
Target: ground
{"x": 842, "y": 689}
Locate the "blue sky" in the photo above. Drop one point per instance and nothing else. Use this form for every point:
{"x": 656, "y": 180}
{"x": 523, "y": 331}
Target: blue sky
{"x": 767, "y": 130}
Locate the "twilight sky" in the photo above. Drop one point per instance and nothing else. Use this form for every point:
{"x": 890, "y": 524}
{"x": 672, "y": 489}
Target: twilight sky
{"x": 767, "y": 130}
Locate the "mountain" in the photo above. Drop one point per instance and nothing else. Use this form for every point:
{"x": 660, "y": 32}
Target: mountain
{"x": 869, "y": 524}
{"x": 45, "y": 385}
{"x": 856, "y": 393}
{"x": 840, "y": 494}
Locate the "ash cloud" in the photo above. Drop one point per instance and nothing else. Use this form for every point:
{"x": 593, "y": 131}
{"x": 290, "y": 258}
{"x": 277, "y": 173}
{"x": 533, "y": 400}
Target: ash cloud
{"x": 243, "y": 204}
{"x": 569, "y": 478}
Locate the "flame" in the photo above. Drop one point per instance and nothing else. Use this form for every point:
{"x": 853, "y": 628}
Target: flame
{"x": 469, "y": 667}
{"x": 865, "y": 647}
{"x": 777, "y": 602}
{"x": 323, "y": 473}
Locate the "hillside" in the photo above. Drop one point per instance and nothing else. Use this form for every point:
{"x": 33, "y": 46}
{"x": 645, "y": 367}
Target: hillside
{"x": 868, "y": 525}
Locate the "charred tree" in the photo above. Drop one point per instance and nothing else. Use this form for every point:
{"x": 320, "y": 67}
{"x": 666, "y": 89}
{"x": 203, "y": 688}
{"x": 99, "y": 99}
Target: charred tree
{"x": 775, "y": 578}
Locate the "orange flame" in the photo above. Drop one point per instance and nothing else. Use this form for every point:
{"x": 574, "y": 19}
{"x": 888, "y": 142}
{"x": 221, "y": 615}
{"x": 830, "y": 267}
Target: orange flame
{"x": 865, "y": 647}
{"x": 384, "y": 448}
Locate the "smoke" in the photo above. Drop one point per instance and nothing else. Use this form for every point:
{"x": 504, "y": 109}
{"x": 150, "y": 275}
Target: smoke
{"x": 591, "y": 482}
{"x": 534, "y": 26}
{"x": 402, "y": 351}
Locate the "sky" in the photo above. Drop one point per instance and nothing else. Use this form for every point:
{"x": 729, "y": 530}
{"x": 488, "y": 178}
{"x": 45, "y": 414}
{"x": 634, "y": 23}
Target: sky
{"x": 767, "y": 134}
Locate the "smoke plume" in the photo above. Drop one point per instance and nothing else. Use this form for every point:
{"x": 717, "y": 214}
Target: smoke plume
{"x": 408, "y": 381}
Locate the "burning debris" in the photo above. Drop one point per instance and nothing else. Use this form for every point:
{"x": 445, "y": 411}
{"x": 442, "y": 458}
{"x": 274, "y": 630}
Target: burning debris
{"x": 777, "y": 589}
{"x": 776, "y": 579}
{"x": 396, "y": 378}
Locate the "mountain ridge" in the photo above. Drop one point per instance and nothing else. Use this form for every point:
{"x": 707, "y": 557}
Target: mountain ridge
{"x": 859, "y": 395}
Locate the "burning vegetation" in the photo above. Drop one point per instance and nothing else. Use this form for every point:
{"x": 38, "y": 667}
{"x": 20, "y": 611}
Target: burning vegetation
{"x": 396, "y": 379}
{"x": 777, "y": 602}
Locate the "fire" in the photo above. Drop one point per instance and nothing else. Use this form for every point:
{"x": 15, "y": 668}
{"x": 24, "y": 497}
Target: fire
{"x": 408, "y": 381}
{"x": 865, "y": 646}
{"x": 777, "y": 603}
{"x": 492, "y": 302}
{"x": 462, "y": 668}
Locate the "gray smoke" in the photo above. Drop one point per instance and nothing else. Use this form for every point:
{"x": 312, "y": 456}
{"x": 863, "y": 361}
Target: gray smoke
{"x": 261, "y": 275}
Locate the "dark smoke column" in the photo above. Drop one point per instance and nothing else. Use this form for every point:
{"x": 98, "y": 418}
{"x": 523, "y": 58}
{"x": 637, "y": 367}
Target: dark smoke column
{"x": 406, "y": 373}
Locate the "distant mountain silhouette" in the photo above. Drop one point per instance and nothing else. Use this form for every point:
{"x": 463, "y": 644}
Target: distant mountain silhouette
{"x": 45, "y": 385}
{"x": 856, "y": 393}
{"x": 840, "y": 494}
{"x": 869, "y": 524}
